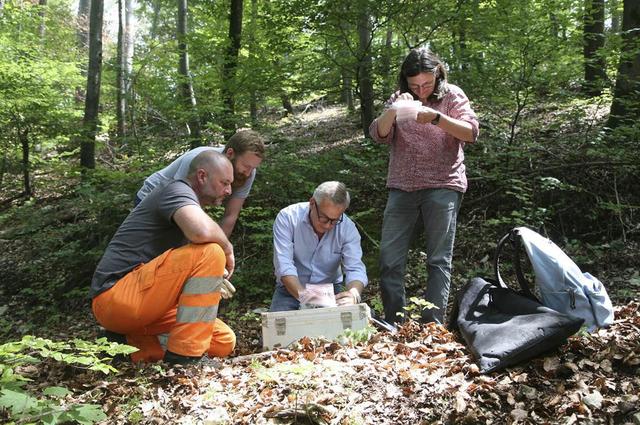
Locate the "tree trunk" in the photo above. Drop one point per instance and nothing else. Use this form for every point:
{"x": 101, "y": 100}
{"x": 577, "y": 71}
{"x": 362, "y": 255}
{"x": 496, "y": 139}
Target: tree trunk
{"x": 26, "y": 175}
{"x": 253, "y": 96}
{"x": 594, "y": 65}
{"x": 347, "y": 91}
{"x": 153, "y": 32}
{"x": 286, "y": 104}
{"x": 615, "y": 15}
{"x": 92, "y": 102}
{"x": 186, "y": 86}
{"x": 83, "y": 24}
{"x": 625, "y": 107}
{"x": 42, "y": 26}
{"x": 386, "y": 57}
{"x": 230, "y": 66}
{"x": 125, "y": 59}
{"x": 364, "y": 72}
{"x": 121, "y": 98}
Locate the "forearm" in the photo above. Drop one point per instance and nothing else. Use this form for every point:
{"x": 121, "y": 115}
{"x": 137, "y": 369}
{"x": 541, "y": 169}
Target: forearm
{"x": 459, "y": 129}
{"x": 385, "y": 122}
{"x": 292, "y": 285}
{"x": 231, "y": 213}
{"x": 228, "y": 224}
{"x": 198, "y": 227}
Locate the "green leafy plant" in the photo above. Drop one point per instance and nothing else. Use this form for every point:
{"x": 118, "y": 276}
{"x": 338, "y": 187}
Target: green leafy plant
{"x": 50, "y": 407}
{"x": 417, "y": 306}
{"x": 354, "y": 336}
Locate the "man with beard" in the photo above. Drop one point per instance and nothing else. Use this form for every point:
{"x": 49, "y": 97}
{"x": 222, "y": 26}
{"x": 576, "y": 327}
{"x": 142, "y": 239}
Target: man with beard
{"x": 245, "y": 149}
{"x": 160, "y": 280}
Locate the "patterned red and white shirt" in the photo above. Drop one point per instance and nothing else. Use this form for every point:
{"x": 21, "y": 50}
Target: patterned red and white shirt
{"x": 423, "y": 156}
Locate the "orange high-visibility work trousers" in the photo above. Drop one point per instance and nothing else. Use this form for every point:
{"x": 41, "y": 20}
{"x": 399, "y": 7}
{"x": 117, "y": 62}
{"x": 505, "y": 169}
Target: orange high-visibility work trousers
{"x": 177, "y": 293}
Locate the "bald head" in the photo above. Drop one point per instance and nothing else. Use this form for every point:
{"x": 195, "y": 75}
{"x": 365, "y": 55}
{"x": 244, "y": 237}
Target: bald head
{"x": 209, "y": 160}
{"x": 210, "y": 175}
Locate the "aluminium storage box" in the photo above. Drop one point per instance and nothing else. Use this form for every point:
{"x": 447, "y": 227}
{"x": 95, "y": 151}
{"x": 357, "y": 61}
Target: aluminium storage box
{"x": 281, "y": 328}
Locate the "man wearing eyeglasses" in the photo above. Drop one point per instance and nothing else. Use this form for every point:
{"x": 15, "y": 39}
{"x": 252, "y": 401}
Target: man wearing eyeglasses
{"x": 316, "y": 243}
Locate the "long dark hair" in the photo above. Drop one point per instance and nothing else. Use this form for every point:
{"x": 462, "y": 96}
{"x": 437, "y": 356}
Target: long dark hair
{"x": 423, "y": 60}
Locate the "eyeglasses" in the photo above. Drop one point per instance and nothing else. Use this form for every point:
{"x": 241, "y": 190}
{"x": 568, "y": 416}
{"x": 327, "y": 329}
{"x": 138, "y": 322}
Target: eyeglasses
{"x": 326, "y": 220}
{"x": 417, "y": 87}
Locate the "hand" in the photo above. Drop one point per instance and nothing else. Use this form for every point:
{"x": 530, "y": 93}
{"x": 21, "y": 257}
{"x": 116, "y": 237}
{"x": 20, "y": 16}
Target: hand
{"x": 350, "y": 297}
{"x": 231, "y": 264}
{"x": 405, "y": 96}
{"x": 227, "y": 289}
{"x": 426, "y": 115}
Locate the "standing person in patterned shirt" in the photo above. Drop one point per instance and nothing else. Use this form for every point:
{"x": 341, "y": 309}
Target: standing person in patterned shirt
{"x": 426, "y": 176}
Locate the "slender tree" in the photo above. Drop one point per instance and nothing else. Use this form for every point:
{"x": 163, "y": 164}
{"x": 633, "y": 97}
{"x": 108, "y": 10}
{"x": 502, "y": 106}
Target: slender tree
{"x": 231, "y": 64}
{"x": 156, "y": 5}
{"x": 186, "y": 85}
{"x": 594, "y": 65}
{"x": 252, "y": 44}
{"x": 121, "y": 101}
{"x": 347, "y": 90}
{"x": 82, "y": 33}
{"x": 125, "y": 59}
{"x": 612, "y": 5}
{"x": 83, "y": 23}
{"x": 625, "y": 107}
{"x": 94, "y": 75}
{"x": 365, "y": 80}
{"x": 23, "y": 136}
{"x": 41, "y": 12}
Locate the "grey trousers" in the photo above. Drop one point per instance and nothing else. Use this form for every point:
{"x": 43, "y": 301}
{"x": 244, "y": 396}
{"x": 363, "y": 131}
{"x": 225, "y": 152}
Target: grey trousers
{"x": 439, "y": 208}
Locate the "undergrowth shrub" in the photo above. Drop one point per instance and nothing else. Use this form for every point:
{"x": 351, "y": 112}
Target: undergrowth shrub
{"x": 51, "y": 404}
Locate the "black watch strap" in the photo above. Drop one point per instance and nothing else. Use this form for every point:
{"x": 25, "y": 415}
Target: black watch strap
{"x": 436, "y": 120}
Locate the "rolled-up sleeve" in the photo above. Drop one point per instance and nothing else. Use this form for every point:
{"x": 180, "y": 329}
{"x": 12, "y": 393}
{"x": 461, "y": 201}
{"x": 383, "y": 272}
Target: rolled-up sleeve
{"x": 353, "y": 267}
{"x": 373, "y": 132}
{"x": 373, "y": 127}
{"x": 461, "y": 109}
{"x": 283, "y": 230}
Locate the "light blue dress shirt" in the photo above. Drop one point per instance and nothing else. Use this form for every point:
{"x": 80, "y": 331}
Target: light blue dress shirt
{"x": 297, "y": 251}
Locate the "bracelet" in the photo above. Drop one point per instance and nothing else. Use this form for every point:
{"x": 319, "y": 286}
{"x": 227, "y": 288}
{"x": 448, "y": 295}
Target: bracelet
{"x": 436, "y": 120}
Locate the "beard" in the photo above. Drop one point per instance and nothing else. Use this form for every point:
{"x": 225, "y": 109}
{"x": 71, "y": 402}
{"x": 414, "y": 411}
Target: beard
{"x": 238, "y": 179}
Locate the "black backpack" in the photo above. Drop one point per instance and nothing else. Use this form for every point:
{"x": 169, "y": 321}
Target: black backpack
{"x": 503, "y": 327}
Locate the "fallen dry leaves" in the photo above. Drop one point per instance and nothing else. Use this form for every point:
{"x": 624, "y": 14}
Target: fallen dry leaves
{"x": 420, "y": 375}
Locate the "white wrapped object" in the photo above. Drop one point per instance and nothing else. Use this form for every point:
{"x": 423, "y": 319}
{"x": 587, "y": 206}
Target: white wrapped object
{"x": 317, "y": 295}
{"x": 406, "y": 109}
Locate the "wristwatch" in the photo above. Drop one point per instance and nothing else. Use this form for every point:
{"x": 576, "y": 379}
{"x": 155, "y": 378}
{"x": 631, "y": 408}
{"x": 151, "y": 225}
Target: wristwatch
{"x": 436, "y": 120}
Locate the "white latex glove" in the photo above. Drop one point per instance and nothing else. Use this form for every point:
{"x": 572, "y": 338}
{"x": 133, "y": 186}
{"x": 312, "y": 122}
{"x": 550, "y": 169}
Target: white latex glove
{"x": 226, "y": 289}
{"x": 352, "y": 296}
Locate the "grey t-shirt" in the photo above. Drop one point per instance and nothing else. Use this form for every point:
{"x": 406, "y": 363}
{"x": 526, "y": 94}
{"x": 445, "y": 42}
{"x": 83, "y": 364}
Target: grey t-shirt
{"x": 147, "y": 232}
{"x": 179, "y": 169}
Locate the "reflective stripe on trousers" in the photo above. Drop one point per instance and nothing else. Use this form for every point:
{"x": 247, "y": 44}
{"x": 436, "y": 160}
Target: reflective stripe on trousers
{"x": 177, "y": 293}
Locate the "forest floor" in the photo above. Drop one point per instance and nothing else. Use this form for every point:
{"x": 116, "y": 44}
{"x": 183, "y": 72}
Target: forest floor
{"x": 422, "y": 374}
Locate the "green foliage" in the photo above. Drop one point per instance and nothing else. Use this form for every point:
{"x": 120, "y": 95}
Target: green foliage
{"x": 416, "y": 306}
{"x": 37, "y": 83}
{"x": 51, "y": 407}
{"x": 357, "y": 336}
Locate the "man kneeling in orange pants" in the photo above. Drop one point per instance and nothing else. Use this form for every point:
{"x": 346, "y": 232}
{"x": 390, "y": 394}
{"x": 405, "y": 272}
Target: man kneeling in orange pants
{"x": 162, "y": 275}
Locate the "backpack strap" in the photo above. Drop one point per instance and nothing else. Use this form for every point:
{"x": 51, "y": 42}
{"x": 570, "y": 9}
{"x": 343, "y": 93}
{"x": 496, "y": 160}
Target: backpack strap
{"x": 514, "y": 238}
